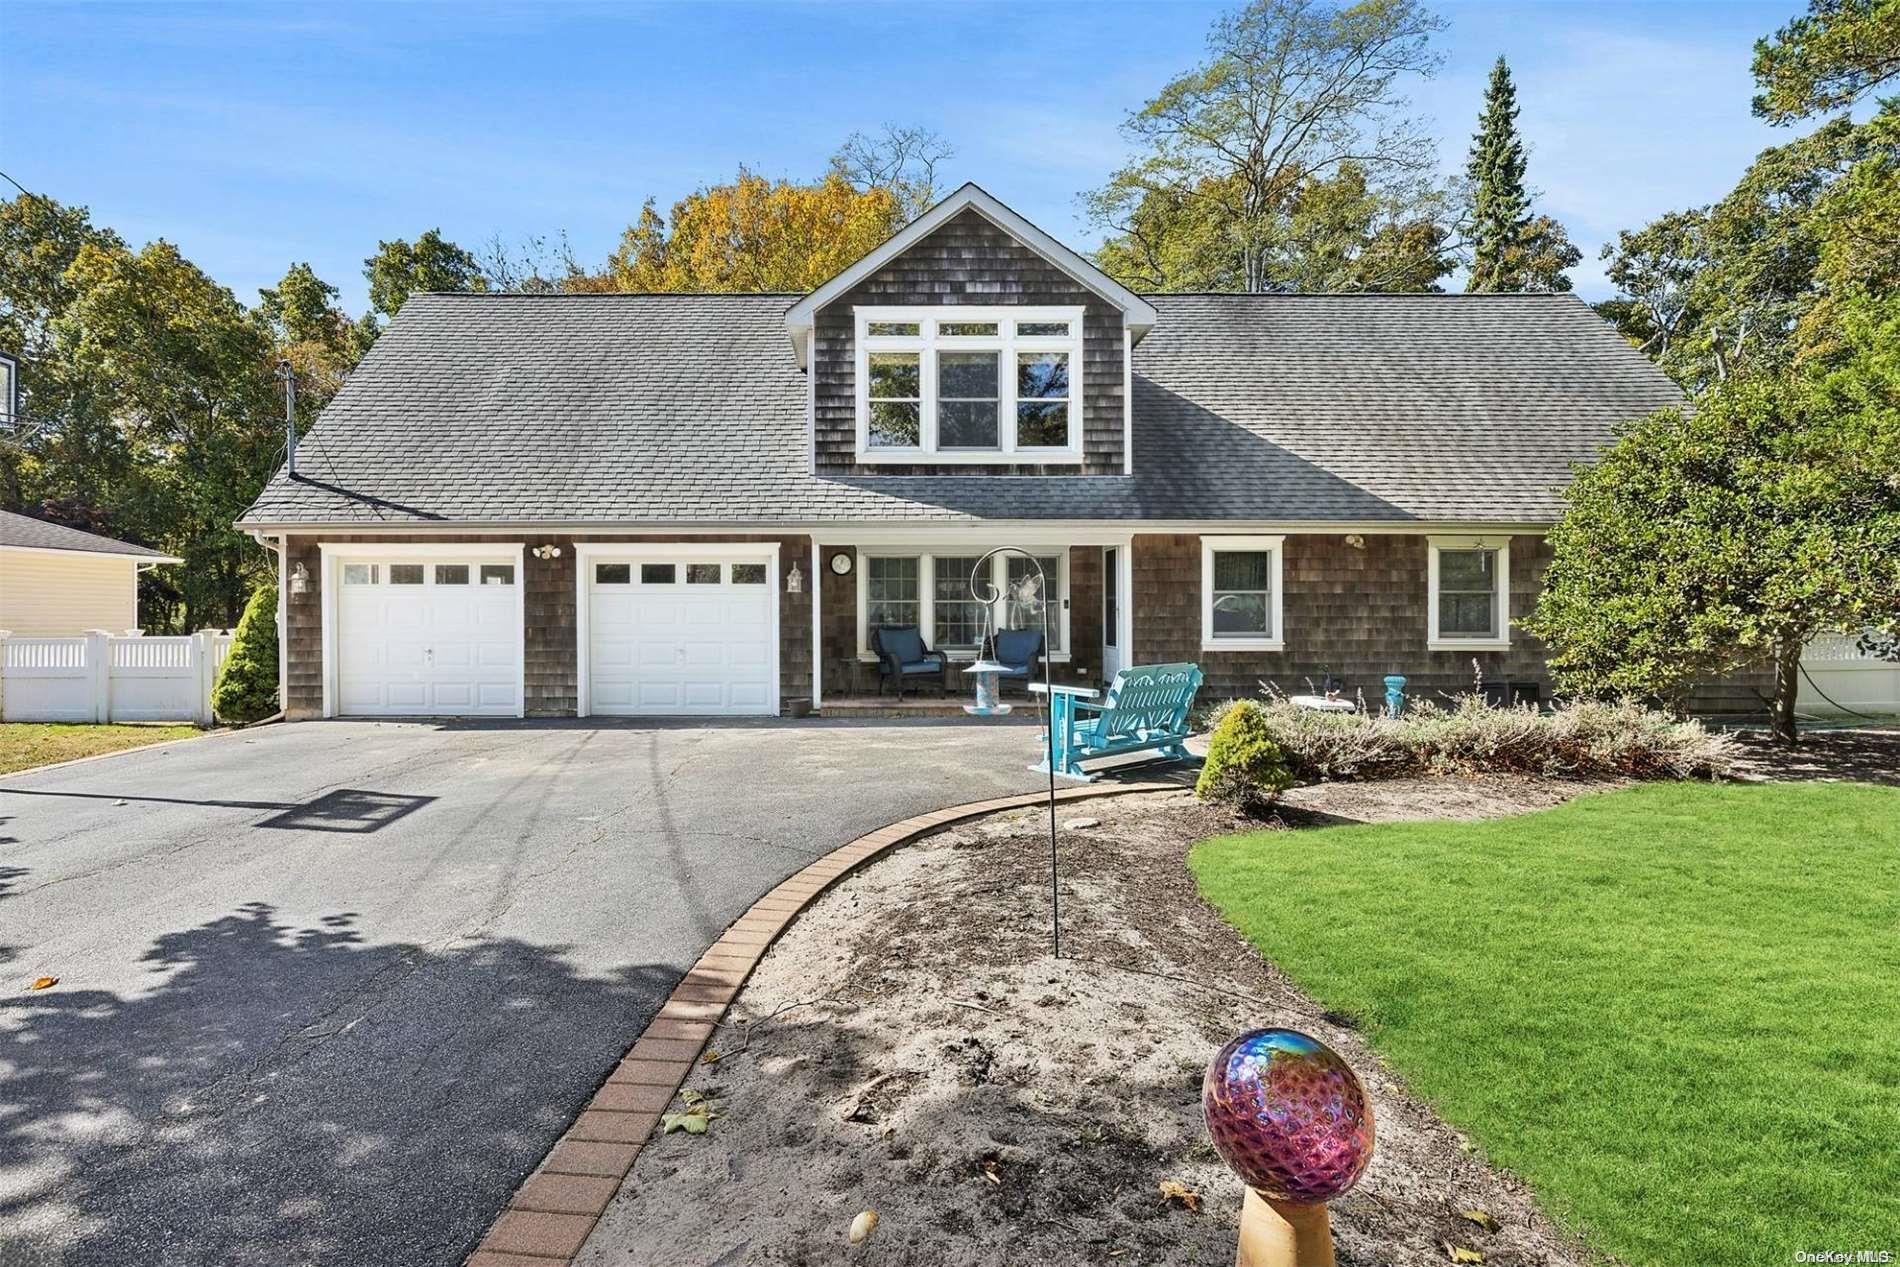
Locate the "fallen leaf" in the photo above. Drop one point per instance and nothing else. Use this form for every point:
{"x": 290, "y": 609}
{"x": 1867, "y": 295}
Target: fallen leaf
{"x": 709, "y": 1057}
{"x": 693, "y": 1122}
{"x": 45, "y": 983}
{"x": 863, "y": 1226}
{"x": 1481, "y": 1218}
{"x": 692, "y": 1096}
{"x": 1459, "y": 1254}
{"x": 989, "y": 1172}
{"x": 1174, "y": 1190}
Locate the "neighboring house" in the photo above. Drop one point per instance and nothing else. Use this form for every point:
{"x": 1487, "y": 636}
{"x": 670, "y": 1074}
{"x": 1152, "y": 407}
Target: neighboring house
{"x": 679, "y": 504}
{"x": 57, "y": 581}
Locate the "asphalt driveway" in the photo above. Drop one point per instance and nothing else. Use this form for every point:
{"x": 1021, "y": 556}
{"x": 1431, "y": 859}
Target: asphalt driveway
{"x": 327, "y": 991}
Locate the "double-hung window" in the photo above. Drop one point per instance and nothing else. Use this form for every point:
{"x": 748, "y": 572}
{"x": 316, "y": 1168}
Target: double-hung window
{"x": 1240, "y": 594}
{"x": 932, "y": 592}
{"x": 1469, "y": 594}
{"x": 959, "y": 384}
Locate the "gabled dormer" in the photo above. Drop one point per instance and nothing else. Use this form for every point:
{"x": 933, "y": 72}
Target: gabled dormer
{"x": 970, "y": 343}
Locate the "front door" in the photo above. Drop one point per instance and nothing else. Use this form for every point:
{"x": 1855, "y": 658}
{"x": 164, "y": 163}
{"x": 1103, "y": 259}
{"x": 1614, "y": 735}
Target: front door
{"x": 1111, "y": 613}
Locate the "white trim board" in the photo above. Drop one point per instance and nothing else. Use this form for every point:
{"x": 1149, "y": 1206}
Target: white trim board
{"x": 838, "y": 531}
{"x": 1137, "y": 313}
{"x": 96, "y": 554}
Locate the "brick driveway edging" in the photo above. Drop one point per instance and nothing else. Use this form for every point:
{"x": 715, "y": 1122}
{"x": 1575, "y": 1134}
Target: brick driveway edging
{"x": 556, "y": 1207}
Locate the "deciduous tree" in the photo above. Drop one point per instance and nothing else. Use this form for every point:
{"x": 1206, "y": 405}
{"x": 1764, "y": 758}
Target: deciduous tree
{"x": 400, "y": 269}
{"x": 753, "y": 234}
{"x": 1827, "y": 59}
{"x": 1290, "y": 91}
{"x": 901, "y": 159}
{"x": 1710, "y": 540}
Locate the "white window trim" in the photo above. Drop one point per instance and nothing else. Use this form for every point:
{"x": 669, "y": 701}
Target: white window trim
{"x": 588, "y": 553}
{"x": 1275, "y": 546}
{"x": 331, "y": 555}
{"x": 1006, "y": 343}
{"x": 926, "y": 557}
{"x": 1500, "y": 600}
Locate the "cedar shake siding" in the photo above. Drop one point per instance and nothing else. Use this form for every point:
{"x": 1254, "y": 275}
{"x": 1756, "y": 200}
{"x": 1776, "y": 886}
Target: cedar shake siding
{"x": 553, "y": 667}
{"x": 967, "y": 261}
{"x": 1358, "y": 614}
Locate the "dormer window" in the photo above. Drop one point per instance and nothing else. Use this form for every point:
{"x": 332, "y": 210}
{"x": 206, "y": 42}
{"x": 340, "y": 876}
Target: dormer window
{"x": 965, "y": 384}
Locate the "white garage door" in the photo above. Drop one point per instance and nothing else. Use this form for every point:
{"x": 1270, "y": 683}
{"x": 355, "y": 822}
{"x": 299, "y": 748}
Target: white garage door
{"x": 428, "y": 637}
{"x": 680, "y": 636}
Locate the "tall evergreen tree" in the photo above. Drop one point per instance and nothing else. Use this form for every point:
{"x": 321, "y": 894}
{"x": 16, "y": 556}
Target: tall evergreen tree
{"x": 1512, "y": 250}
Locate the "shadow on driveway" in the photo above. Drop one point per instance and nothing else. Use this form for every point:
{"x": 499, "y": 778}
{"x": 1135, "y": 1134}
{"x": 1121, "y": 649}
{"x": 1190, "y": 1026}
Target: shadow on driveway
{"x": 209, "y": 1119}
{"x": 346, "y": 809}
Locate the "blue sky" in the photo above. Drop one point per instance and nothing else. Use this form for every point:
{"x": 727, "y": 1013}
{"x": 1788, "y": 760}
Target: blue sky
{"x": 255, "y": 135}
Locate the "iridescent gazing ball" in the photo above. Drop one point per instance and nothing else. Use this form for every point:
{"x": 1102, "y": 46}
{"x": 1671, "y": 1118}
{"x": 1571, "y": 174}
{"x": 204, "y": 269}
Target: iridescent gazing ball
{"x": 1288, "y": 1115}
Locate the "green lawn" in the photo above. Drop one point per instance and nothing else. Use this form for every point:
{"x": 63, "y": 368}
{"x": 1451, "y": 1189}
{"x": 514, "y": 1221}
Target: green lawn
{"x": 1674, "y": 1010}
{"x": 24, "y": 745}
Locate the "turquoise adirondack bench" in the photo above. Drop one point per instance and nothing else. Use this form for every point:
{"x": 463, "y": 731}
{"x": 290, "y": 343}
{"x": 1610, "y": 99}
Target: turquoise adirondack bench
{"x": 1146, "y": 709}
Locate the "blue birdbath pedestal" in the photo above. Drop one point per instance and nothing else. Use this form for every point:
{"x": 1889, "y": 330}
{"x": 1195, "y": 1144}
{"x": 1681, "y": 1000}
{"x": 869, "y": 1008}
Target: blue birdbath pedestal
{"x": 989, "y": 698}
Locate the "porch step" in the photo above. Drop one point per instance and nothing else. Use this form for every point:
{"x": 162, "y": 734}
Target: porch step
{"x": 928, "y": 707}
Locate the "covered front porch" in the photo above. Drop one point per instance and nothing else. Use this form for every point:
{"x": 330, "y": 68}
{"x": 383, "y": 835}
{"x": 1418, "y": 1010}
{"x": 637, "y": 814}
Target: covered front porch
{"x": 920, "y": 579}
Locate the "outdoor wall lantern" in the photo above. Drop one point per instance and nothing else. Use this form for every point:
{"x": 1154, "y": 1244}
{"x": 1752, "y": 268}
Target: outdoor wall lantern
{"x": 794, "y": 581}
{"x": 1291, "y": 1118}
{"x": 299, "y": 581}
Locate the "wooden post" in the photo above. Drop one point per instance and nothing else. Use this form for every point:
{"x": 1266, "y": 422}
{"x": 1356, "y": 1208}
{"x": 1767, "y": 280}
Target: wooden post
{"x": 1283, "y": 1234}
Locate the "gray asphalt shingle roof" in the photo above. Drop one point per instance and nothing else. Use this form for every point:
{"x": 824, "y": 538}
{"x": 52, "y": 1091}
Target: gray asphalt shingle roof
{"x": 37, "y": 534}
{"x": 604, "y": 408}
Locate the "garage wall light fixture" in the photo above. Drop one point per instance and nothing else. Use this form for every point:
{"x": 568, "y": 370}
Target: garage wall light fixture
{"x": 299, "y": 581}
{"x": 794, "y": 581}
{"x": 546, "y": 552}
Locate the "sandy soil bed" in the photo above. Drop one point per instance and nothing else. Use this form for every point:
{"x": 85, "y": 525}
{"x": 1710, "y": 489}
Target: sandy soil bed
{"x": 911, "y": 1047}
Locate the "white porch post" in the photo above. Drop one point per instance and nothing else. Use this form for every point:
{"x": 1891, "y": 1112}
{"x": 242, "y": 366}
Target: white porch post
{"x": 1125, "y": 610}
{"x": 817, "y": 626}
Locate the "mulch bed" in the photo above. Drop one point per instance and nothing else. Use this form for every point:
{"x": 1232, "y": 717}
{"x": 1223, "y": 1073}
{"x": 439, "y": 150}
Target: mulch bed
{"x": 911, "y": 1047}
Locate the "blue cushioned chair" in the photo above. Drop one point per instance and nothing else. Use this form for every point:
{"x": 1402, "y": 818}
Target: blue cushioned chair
{"x": 901, "y": 654}
{"x": 1018, "y": 649}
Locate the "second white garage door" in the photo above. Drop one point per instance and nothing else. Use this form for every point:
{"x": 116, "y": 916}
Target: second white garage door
{"x": 681, "y": 635}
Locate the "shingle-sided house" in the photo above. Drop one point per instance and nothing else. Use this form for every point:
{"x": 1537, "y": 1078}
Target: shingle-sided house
{"x": 703, "y": 504}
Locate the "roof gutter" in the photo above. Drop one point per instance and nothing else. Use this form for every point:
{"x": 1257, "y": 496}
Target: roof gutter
{"x": 844, "y": 529}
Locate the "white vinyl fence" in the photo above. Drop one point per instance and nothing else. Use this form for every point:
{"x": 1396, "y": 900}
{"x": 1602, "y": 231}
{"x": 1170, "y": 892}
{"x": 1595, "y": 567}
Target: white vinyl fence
{"x": 1839, "y": 680}
{"x": 98, "y": 677}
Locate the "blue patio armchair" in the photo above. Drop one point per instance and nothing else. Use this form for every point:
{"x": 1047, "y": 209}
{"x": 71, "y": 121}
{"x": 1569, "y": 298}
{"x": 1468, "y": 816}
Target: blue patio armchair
{"x": 1018, "y": 650}
{"x": 901, "y": 654}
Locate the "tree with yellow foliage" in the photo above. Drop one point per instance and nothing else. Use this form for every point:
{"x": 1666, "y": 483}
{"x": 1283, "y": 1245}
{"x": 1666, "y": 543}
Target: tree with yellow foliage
{"x": 753, "y": 234}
